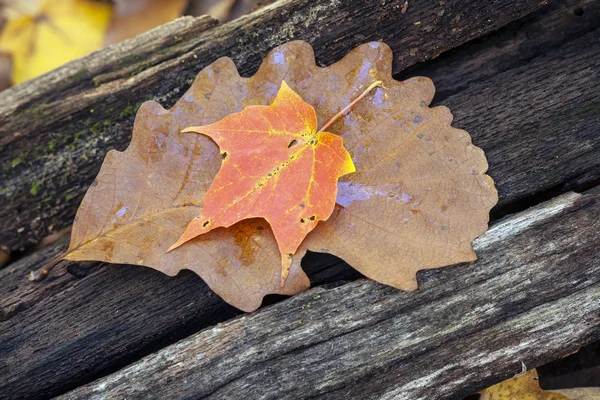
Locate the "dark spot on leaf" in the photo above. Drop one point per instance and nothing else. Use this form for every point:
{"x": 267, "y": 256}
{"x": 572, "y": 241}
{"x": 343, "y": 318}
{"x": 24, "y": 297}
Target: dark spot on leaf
{"x": 420, "y": 136}
{"x": 417, "y": 119}
{"x": 302, "y": 205}
{"x": 302, "y": 220}
{"x": 423, "y": 103}
{"x": 206, "y": 223}
{"x": 313, "y": 217}
{"x": 207, "y": 96}
{"x": 224, "y": 155}
{"x": 260, "y": 227}
{"x": 292, "y": 143}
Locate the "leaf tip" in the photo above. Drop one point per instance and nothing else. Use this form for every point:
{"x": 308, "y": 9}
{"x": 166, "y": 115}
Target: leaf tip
{"x": 190, "y": 129}
{"x": 174, "y": 246}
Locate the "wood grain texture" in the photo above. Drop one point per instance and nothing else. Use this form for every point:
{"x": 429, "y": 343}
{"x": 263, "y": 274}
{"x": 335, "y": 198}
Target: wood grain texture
{"x": 516, "y": 44}
{"x": 88, "y": 319}
{"x": 55, "y": 130}
{"x": 538, "y": 123}
{"x": 532, "y": 296}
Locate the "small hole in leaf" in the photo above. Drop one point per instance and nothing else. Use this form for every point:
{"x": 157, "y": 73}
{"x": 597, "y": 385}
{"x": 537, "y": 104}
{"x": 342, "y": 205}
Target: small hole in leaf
{"x": 578, "y": 11}
{"x": 313, "y": 217}
{"x": 206, "y": 223}
{"x": 224, "y": 155}
{"x": 292, "y": 143}
{"x": 302, "y": 220}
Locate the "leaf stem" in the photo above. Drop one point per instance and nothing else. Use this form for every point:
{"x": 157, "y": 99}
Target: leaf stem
{"x": 41, "y": 274}
{"x": 343, "y": 111}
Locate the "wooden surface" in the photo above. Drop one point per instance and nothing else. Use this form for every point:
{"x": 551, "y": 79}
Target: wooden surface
{"x": 527, "y": 94}
{"x": 55, "y": 130}
{"x": 469, "y": 325}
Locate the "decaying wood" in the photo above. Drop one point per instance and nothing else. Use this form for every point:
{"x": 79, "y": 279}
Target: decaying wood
{"x": 532, "y": 296}
{"x": 88, "y": 319}
{"x": 515, "y": 44}
{"x": 55, "y": 130}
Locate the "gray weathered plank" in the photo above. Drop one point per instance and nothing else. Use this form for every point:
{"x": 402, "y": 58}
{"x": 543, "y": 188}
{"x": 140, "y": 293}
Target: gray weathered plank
{"x": 533, "y": 295}
{"x": 55, "y": 130}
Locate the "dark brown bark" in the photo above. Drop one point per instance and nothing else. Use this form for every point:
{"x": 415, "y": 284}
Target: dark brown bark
{"x": 55, "y": 130}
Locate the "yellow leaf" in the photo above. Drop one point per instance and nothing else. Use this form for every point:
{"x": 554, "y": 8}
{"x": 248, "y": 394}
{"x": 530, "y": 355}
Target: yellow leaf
{"x": 58, "y": 32}
{"x": 522, "y": 387}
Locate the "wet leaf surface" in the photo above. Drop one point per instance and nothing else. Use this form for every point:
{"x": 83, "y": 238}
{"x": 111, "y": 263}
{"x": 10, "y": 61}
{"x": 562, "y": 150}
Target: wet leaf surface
{"x": 418, "y": 198}
{"x": 276, "y": 166}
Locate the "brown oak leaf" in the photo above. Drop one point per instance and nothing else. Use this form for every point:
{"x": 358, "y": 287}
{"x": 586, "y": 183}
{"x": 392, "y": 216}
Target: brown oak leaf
{"x": 418, "y": 198}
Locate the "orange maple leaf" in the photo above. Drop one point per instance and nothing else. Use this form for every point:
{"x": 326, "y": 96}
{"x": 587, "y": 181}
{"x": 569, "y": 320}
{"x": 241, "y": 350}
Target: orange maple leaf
{"x": 277, "y": 166}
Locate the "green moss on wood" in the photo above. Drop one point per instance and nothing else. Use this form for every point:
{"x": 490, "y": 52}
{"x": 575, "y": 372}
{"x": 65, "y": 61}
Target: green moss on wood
{"x": 127, "y": 111}
{"x": 139, "y": 69}
{"x": 35, "y": 187}
{"x": 16, "y": 161}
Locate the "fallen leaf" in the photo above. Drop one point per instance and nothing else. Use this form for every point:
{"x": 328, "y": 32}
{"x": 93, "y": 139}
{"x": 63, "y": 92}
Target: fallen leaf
{"x": 420, "y": 194}
{"x": 418, "y": 198}
{"x": 589, "y": 393}
{"x": 522, "y": 387}
{"x": 132, "y": 17}
{"x": 55, "y": 33}
{"x": 276, "y": 166}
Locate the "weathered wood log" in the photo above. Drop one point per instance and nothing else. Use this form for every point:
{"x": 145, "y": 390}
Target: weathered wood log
{"x": 55, "y": 130}
{"x": 515, "y": 44}
{"x": 88, "y": 320}
{"x": 531, "y": 297}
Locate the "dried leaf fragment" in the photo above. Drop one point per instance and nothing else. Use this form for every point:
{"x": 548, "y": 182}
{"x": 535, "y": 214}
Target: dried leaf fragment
{"x": 521, "y": 387}
{"x": 276, "y": 166}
